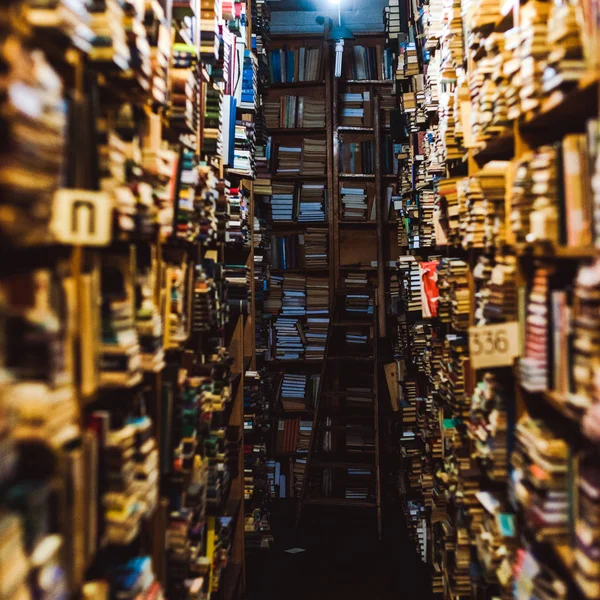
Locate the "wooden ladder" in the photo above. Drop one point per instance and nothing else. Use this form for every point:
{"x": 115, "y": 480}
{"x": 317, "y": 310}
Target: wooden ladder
{"x": 332, "y": 403}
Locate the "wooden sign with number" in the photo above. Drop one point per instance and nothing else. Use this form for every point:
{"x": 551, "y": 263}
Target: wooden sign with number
{"x": 494, "y": 345}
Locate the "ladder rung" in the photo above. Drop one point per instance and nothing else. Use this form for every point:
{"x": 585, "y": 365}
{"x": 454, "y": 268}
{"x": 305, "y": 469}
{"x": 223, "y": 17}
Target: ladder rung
{"x": 346, "y": 394}
{"x": 343, "y": 464}
{"x": 352, "y": 357}
{"x": 341, "y": 502}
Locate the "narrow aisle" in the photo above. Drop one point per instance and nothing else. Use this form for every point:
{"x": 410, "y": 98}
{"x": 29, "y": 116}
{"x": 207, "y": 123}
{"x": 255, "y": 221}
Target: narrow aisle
{"x": 341, "y": 558}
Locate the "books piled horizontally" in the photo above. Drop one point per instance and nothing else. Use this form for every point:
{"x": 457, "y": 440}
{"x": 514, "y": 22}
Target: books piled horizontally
{"x": 315, "y": 249}
{"x": 532, "y": 54}
{"x": 130, "y": 449}
{"x": 312, "y": 203}
{"x": 294, "y": 296}
{"x": 243, "y": 150}
{"x": 32, "y": 147}
{"x": 184, "y": 90}
{"x": 391, "y": 19}
{"x": 298, "y": 472}
{"x": 120, "y": 364}
{"x": 282, "y": 201}
{"x": 541, "y": 463}
{"x": 238, "y": 288}
{"x": 455, "y": 303}
{"x": 289, "y": 160}
{"x": 248, "y": 96}
{"x": 356, "y": 336}
{"x": 317, "y": 292}
{"x": 149, "y": 325}
{"x": 355, "y": 109}
{"x": 293, "y": 391}
{"x": 358, "y": 304}
{"x": 355, "y": 202}
{"x": 295, "y": 64}
{"x": 533, "y": 365}
{"x": 566, "y": 60}
{"x": 272, "y": 113}
{"x": 314, "y": 157}
{"x": 288, "y": 341}
{"x": 410, "y": 277}
{"x": 317, "y": 329}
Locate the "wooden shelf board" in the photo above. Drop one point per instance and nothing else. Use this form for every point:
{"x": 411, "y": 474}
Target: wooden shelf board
{"x": 501, "y": 147}
{"x": 299, "y": 224}
{"x": 296, "y": 130}
{"x": 300, "y": 362}
{"x": 232, "y": 580}
{"x": 320, "y": 463}
{"x": 345, "y": 394}
{"x": 299, "y": 177}
{"x": 304, "y": 270}
{"x": 357, "y": 175}
{"x": 351, "y": 357}
{"x": 351, "y": 323}
{"x": 569, "y": 113}
{"x": 294, "y": 84}
{"x": 552, "y": 251}
{"x": 351, "y": 223}
{"x": 340, "y": 502}
{"x": 368, "y": 81}
{"x": 355, "y": 129}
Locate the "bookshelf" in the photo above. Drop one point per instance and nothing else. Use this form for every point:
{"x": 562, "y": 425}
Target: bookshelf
{"x": 487, "y": 423}
{"x": 137, "y": 302}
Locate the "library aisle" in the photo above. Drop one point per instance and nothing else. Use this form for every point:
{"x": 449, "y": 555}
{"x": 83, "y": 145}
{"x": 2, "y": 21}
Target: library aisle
{"x": 299, "y": 299}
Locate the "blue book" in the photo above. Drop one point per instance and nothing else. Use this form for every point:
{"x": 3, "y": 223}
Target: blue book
{"x": 289, "y": 74}
{"x": 283, "y": 257}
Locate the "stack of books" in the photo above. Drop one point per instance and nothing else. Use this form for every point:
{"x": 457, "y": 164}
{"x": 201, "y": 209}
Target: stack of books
{"x": 288, "y": 338}
{"x": 410, "y": 277}
{"x": 312, "y": 205}
{"x": 316, "y": 254}
{"x": 317, "y": 330}
{"x": 533, "y": 51}
{"x": 294, "y": 296}
{"x": 314, "y": 157}
{"x": 355, "y": 109}
{"x": 289, "y": 160}
{"x": 282, "y": 201}
{"x": 541, "y": 462}
{"x": 293, "y": 391}
{"x": 533, "y": 365}
{"x": 356, "y": 202}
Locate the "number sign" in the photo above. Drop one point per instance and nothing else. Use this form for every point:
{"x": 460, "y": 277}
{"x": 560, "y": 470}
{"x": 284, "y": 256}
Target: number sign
{"x": 494, "y": 345}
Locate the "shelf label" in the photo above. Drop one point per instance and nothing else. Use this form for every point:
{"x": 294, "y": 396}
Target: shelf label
{"x": 82, "y": 217}
{"x": 494, "y": 345}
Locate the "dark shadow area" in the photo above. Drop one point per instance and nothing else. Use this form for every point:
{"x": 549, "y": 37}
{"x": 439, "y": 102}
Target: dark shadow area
{"x": 342, "y": 558}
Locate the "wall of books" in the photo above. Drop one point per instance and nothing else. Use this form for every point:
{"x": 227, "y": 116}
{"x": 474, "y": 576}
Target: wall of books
{"x": 496, "y": 343}
{"x": 132, "y": 456}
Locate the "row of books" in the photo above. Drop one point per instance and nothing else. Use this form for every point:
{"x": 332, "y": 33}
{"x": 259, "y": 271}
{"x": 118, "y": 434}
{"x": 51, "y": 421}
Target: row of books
{"x": 291, "y": 65}
{"x": 295, "y": 112}
{"x": 293, "y": 436}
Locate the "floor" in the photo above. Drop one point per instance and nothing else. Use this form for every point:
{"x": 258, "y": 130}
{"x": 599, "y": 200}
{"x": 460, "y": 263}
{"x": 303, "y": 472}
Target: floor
{"x": 342, "y": 559}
